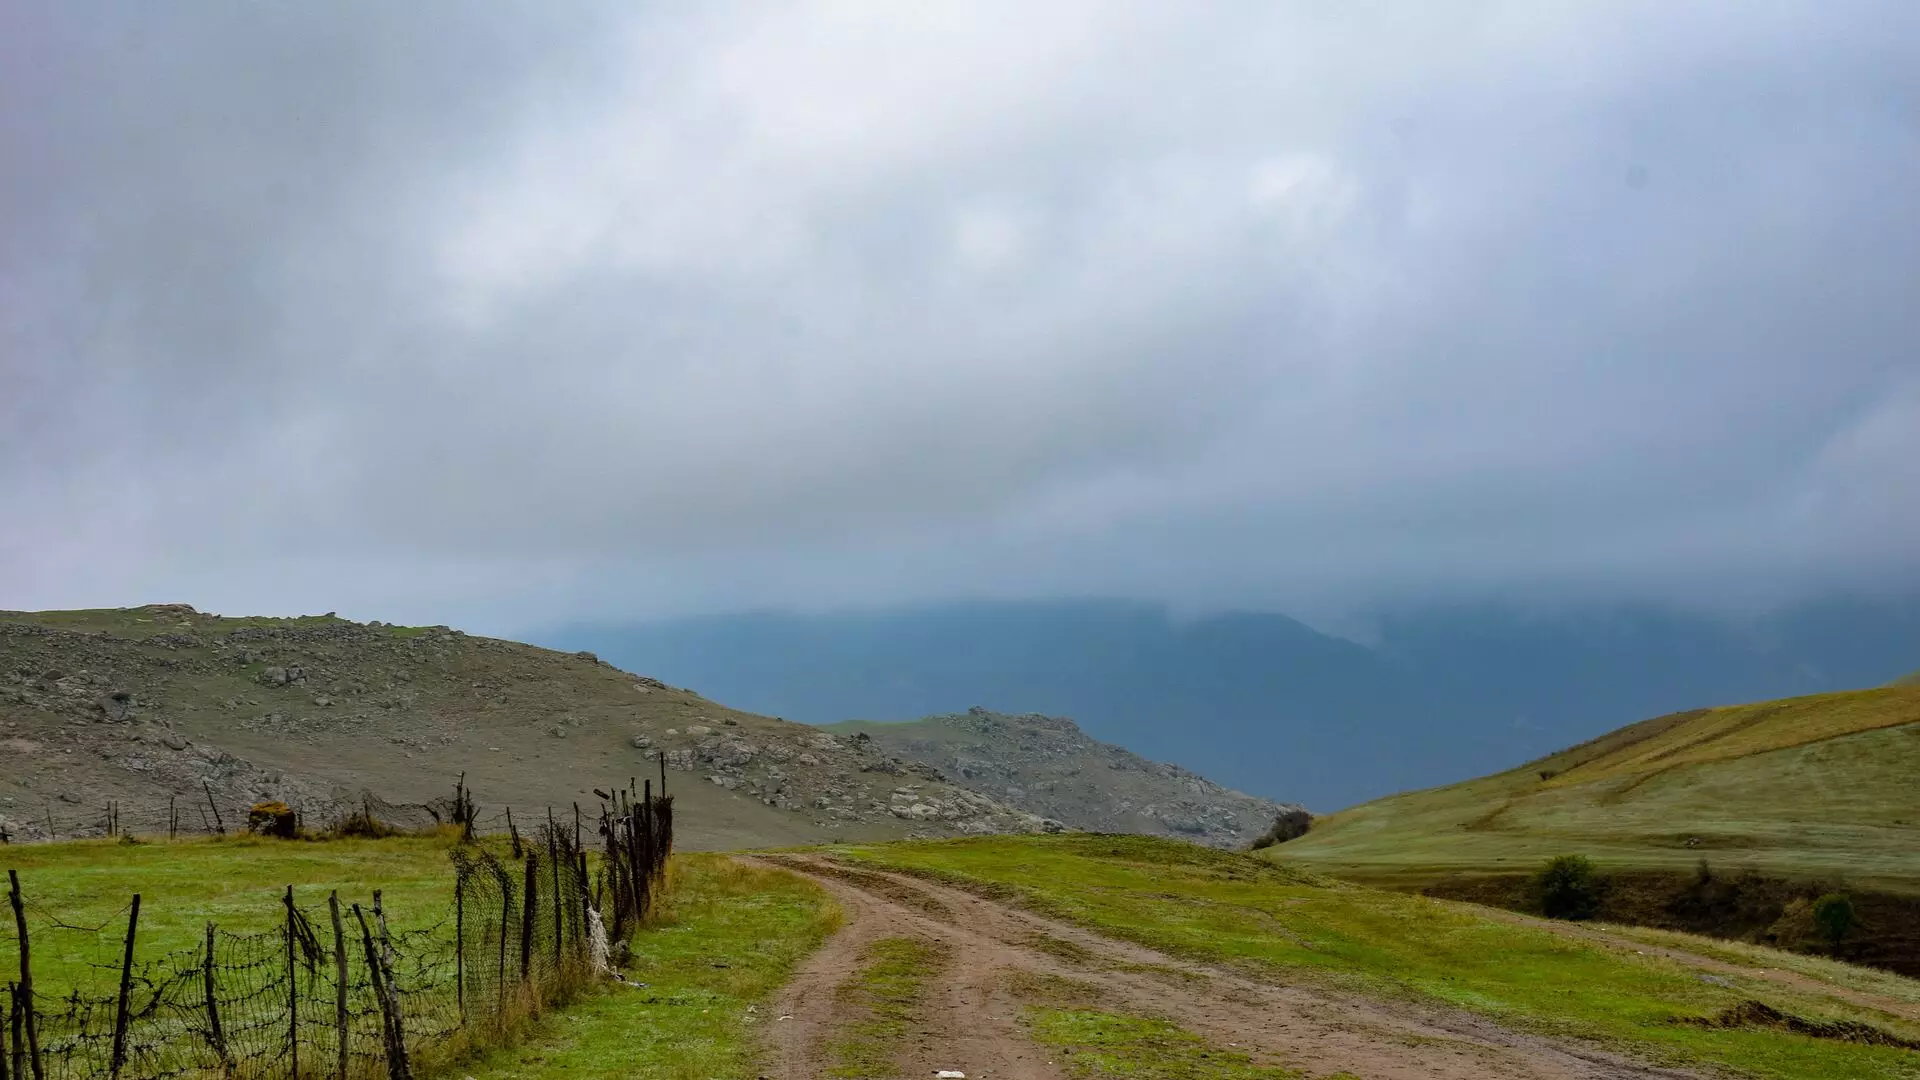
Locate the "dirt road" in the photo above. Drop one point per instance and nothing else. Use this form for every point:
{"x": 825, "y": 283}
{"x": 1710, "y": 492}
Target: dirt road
{"x": 971, "y": 1019}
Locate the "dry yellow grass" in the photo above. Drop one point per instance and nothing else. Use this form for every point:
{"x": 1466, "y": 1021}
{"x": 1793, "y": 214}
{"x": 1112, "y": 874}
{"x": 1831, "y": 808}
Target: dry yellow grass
{"x": 1737, "y": 731}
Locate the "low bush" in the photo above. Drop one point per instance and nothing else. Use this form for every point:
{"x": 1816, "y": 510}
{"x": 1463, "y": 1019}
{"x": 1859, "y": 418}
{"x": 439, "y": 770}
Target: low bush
{"x": 1568, "y": 888}
{"x": 1833, "y": 916}
{"x": 273, "y": 819}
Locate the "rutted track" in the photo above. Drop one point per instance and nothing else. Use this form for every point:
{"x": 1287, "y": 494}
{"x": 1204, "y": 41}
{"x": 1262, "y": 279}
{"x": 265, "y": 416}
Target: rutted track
{"x": 971, "y": 1022}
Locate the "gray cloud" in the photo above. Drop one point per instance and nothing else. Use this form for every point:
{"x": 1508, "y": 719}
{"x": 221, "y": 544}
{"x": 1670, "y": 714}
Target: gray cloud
{"x": 479, "y": 312}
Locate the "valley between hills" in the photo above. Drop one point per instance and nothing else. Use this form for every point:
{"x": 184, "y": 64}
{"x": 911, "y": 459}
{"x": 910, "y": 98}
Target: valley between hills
{"x": 989, "y": 894}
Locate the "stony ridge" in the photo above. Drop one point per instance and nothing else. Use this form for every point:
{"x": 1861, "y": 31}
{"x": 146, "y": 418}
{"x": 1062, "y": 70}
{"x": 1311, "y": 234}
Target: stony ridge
{"x": 143, "y": 705}
{"x": 1046, "y": 765}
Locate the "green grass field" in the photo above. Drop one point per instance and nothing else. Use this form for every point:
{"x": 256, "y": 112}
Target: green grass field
{"x": 729, "y": 934}
{"x": 1241, "y": 910}
{"x": 237, "y": 883}
{"x": 726, "y": 936}
{"x": 1813, "y": 787}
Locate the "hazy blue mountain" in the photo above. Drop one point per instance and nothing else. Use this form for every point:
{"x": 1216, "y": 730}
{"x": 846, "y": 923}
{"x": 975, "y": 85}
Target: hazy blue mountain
{"x": 1262, "y": 702}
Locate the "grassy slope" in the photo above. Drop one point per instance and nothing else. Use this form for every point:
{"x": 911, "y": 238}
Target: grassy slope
{"x": 1819, "y": 786}
{"x": 1234, "y": 908}
{"x": 729, "y": 935}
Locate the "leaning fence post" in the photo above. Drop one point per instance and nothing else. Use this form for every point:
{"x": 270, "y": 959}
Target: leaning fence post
{"x": 397, "y": 1068}
{"x": 126, "y": 994}
{"x": 219, "y": 825}
{"x": 215, "y": 1035}
{"x": 340, "y": 980}
{"x": 18, "y": 1010}
{"x": 24, "y": 992}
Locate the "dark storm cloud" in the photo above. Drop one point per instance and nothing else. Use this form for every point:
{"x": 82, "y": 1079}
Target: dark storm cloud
{"x": 483, "y": 312}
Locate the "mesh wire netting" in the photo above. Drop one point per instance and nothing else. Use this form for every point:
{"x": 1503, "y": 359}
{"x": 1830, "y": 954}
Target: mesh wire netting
{"x": 333, "y": 991}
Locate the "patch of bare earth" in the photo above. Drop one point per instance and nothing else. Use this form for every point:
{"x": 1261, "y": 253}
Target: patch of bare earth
{"x": 971, "y": 1020}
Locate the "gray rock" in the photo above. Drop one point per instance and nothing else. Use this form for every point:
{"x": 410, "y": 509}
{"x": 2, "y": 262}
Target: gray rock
{"x": 642, "y": 742}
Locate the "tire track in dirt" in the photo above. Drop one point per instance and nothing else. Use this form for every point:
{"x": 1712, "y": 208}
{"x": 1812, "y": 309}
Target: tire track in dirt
{"x": 969, "y": 1022}
{"x": 972, "y": 1021}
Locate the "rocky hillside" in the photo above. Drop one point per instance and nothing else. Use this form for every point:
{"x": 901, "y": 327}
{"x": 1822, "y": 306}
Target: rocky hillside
{"x": 1046, "y": 765}
{"x": 148, "y": 705}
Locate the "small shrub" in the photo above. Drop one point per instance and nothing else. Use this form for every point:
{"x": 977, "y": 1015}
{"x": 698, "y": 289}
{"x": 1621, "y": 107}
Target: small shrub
{"x": 1795, "y": 926}
{"x": 1290, "y": 824}
{"x": 273, "y": 819}
{"x": 1568, "y": 888}
{"x": 363, "y": 824}
{"x": 1833, "y": 916}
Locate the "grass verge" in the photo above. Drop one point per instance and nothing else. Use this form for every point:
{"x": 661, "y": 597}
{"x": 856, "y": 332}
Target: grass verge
{"x": 730, "y": 935}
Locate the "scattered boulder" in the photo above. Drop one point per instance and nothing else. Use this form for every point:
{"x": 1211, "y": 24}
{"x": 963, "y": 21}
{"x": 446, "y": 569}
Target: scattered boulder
{"x": 282, "y": 676}
{"x": 116, "y": 705}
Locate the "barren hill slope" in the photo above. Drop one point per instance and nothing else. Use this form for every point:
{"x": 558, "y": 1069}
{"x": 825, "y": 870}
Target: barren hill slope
{"x": 148, "y": 704}
{"x": 1046, "y": 765}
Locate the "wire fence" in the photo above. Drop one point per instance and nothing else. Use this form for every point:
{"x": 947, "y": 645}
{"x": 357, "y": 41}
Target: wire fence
{"x": 213, "y": 812}
{"x": 333, "y": 991}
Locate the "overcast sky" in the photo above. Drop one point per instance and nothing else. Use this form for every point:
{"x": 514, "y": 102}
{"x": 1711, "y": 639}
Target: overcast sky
{"x": 501, "y": 315}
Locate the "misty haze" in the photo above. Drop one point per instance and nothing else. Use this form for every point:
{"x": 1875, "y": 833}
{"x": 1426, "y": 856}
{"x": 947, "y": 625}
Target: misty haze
{"x": 905, "y": 523}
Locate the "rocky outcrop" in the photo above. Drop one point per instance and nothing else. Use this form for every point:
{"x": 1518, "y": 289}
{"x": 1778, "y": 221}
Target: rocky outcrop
{"x": 1047, "y": 767}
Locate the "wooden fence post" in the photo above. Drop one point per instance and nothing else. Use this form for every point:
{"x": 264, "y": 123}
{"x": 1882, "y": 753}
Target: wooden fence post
{"x": 120, "y": 1012}
{"x": 339, "y": 980}
{"x": 219, "y": 825}
{"x": 393, "y": 987}
{"x": 506, "y": 918}
{"x": 559, "y": 910}
{"x": 24, "y": 992}
{"x": 460, "y": 938}
{"x": 526, "y": 917}
{"x": 216, "y": 1036}
{"x": 293, "y": 997}
{"x": 17, "y": 1011}
{"x": 396, "y": 1046}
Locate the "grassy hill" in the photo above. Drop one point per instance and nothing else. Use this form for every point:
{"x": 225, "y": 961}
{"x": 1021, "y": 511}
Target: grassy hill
{"x": 1811, "y": 787}
{"x": 1046, "y": 765}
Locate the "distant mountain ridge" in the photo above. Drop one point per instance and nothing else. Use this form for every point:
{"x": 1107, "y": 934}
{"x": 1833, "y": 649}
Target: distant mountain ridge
{"x": 1046, "y": 765}
{"x": 1264, "y": 703}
